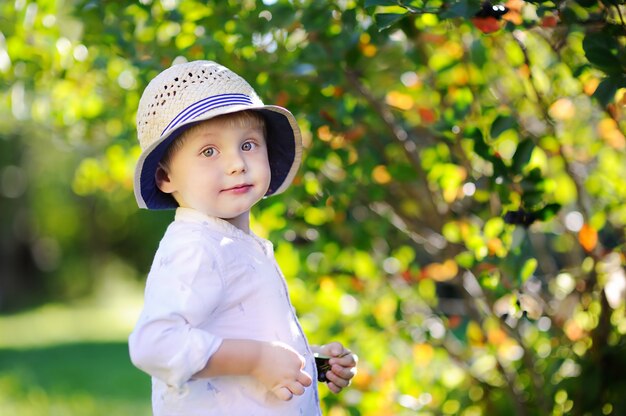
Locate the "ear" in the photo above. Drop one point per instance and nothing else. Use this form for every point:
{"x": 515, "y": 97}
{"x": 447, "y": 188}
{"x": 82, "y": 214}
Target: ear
{"x": 163, "y": 181}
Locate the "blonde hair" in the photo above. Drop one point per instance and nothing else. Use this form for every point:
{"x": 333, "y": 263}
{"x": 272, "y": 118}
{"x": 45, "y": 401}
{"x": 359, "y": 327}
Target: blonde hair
{"x": 240, "y": 119}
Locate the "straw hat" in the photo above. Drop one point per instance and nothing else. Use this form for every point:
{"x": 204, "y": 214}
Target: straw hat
{"x": 187, "y": 93}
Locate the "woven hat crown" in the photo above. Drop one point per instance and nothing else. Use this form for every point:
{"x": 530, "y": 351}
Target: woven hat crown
{"x": 179, "y": 86}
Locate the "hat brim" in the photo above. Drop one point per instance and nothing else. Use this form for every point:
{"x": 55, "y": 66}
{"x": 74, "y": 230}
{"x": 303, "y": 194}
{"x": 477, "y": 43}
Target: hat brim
{"x": 284, "y": 143}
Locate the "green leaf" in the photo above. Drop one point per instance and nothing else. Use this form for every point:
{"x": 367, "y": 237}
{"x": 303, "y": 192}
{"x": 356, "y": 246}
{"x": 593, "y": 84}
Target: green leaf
{"x": 374, "y": 3}
{"x": 522, "y": 155}
{"x": 605, "y": 93}
{"x": 501, "y": 124}
{"x": 581, "y": 70}
{"x": 493, "y": 227}
{"x": 463, "y": 97}
{"x": 548, "y": 212}
{"x": 602, "y": 51}
{"x": 587, "y": 3}
{"x": 534, "y": 176}
{"x": 463, "y": 8}
{"x": 572, "y": 13}
{"x": 465, "y": 259}
{"x": 478, "y": 53}
{"x": 499, "y": 168}
{"x": 528, "y": 269}
{"x": 480, "y": 147}
{"x": 385, "y": 20}
{"x": 533, "y": 199}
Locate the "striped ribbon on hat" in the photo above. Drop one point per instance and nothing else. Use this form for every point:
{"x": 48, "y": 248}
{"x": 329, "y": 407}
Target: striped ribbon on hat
{"x": 207, "y": 104}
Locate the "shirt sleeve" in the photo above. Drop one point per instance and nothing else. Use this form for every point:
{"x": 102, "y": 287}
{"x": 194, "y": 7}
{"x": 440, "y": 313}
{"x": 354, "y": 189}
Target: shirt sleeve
{"x": 183, "y": 289}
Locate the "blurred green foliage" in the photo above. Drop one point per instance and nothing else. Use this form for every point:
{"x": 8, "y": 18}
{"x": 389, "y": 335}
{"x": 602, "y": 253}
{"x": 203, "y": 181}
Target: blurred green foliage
{"x": 459, "y": 217}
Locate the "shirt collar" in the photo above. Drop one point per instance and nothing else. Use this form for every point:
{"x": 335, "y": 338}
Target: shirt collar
{"x": 217, "y": 224}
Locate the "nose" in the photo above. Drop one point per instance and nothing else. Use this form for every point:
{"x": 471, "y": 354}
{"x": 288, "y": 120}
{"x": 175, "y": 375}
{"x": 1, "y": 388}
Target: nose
{"x": 236, "y": 164}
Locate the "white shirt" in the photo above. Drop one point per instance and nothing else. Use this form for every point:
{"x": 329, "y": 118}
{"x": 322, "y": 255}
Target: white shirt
{"x": 210, "y": 281}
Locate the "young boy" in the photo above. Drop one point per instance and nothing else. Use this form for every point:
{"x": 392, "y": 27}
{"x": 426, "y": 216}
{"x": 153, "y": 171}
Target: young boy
{"x": 218, "y": 333}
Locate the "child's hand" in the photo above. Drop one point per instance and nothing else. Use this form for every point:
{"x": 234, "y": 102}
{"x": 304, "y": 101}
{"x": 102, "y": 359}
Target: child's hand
{"x": 343, "y": 365}
{"x": 280, "y": 369}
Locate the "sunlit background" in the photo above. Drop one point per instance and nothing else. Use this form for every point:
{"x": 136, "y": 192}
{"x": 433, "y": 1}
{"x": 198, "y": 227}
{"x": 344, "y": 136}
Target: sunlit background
{"x": 458, "y": 220}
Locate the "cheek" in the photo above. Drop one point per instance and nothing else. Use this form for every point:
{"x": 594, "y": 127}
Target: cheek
{"x": 267, "y": 172}
{"x": 263, "y": 173}
{"x": 262, "y": 164}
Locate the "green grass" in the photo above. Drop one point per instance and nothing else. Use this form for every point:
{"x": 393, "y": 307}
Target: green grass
{"x": 71, "y": 359}
{"x": 73, "y": 379}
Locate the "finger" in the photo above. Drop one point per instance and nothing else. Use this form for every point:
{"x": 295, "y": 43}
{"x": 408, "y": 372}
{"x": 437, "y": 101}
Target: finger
{"x": 302, "y": 361}
{"x": 283, "y": 393}
{"x": 334, "y": 388}
{"x": 344, "y": 372}
{"x": 336, "y": 349}
{"x": 346, "y": 359}
{"x": 337, "y": 380}
{"x": 304, "y": 378}
{"x": 296, "y": 388}
{"x": 332, "y": 349}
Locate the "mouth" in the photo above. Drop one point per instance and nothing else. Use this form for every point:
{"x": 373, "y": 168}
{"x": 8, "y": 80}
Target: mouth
{"x": 244, "y": 187}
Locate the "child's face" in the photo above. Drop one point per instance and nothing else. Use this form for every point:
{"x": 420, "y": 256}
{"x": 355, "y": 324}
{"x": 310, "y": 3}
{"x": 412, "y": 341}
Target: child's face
{"x": 221, "y": 170}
